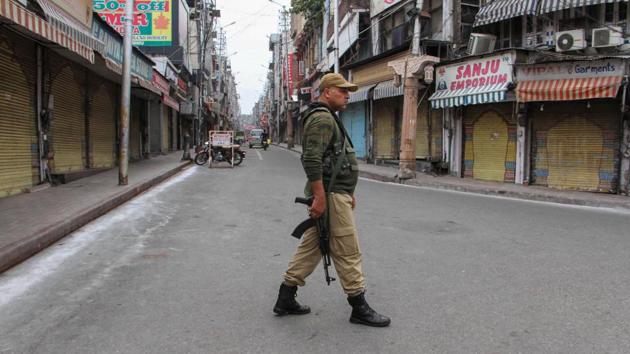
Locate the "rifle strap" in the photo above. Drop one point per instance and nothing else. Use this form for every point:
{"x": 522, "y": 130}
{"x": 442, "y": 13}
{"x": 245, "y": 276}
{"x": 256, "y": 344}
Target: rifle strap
{"x": 333, "y": 177}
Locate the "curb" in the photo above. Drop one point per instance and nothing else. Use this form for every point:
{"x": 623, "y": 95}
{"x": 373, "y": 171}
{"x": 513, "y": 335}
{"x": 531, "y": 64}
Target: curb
{"x": 20, "y": 251}
{"x": 497, "y": 192}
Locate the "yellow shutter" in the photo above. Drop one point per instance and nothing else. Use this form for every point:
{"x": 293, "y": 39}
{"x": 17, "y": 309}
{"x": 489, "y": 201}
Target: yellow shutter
{"x": 103, "y": 127}
{"x": 67, "y": 130}
{"x": 18, "y": 136}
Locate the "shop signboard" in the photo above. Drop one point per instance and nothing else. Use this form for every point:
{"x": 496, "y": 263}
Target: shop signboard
{"x": 140, "y": 65}
{"x": 479, "y": 74}
{"x": 571, "y": 70}
{"x": 160, "y": 82}
{"x": 152, "y": 20}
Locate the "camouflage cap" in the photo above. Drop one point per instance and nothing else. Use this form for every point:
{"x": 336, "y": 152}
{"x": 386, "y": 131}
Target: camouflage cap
{"x": 336, "y": 80}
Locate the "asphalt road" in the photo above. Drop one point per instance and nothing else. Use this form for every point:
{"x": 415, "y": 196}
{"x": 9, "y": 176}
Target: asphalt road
{"x": 194, "y": 265}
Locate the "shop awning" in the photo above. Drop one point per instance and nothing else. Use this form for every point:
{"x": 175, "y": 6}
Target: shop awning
{"x": 470, "y": 96}
{"x": 547, "y": 6}
{"x": 568, "y": 89}
{"x": 361, "y": 94}
{"x": 58, "y": 34}
{"x": 387, "y": 89}
{"x": 499, "y": 10}
{"x": 68, "y": 25}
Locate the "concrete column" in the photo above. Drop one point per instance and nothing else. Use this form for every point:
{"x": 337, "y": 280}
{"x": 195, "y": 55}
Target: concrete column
{"x": 521, "y": 149}
{"x": 410, "y": 69}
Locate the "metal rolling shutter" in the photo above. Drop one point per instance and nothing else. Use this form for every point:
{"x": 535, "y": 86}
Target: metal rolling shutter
{"x": 67, "y": 130}
{"x": 134, "y": 129}
{"x": 576, "y": 151}
{"x": 422, "y": 131}
{"x": 165, "y": 128}
{"x": 488, "y": 147}
{"x": 18, "y": 138}
{"x": 102, "y": 127}
{"x": 354, "y": 121}
{"x": 383, "y": 130}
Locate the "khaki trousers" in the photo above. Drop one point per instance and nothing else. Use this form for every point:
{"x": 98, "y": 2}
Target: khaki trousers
{"x": 344, "y": 249}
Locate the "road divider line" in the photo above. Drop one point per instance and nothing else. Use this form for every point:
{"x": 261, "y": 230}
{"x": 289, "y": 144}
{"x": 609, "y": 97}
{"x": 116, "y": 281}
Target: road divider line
{"x": 259, "y": 155}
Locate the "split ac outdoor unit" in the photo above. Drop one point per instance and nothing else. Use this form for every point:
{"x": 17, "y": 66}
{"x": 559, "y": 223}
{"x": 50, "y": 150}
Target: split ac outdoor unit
{"x": 481, "y": 43}
{"x": 607, "y": 37}
{"x": 570, "y": 40}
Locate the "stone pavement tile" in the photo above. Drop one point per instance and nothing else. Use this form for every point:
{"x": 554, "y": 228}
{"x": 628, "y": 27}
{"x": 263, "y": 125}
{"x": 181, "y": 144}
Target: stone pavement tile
{"x": 25, "y": 216}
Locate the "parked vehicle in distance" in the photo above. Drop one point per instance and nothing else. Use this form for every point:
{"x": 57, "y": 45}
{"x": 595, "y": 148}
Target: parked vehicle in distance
{"x": 255, "y": 138}
{"x": 239, "y": 137}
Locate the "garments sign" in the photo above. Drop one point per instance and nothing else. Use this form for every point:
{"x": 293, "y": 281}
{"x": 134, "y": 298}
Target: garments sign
{"x": 571, "y": 70}
{"x": 152, "y": 20}
{"x": 378, "y": 6}
{"x": 568, "y": 81}
{"x": 479, "y": 74}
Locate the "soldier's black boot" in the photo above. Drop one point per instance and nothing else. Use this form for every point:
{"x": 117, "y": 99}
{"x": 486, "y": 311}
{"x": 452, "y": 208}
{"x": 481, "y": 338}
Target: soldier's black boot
{"x": 362, "y": 313}
{"x": 286, "y": 304}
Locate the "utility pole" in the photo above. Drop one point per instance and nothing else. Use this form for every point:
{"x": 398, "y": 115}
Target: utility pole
{"x": 410, "y": 69}
{"x": 289, "y": 78}
{"x": 125, "y": 97}
{"x": 336, "y": 33}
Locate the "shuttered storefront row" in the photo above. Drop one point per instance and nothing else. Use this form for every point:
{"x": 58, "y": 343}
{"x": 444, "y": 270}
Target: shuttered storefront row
{"x": 490, "y": 143}
{"x": 575, "y": 147}
{"x": 18, "y": 137}
{"x": 67, "y": 130}
{"x": 102, "y": 126}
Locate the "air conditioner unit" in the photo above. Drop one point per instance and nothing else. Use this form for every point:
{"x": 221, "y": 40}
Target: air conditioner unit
{"x": 607, "y": 37}
{"x": 570, "y": 40}
{"x": 481, "y": 43}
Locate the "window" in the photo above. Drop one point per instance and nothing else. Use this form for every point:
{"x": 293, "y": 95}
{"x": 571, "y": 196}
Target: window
{"x": 395, "y": 29}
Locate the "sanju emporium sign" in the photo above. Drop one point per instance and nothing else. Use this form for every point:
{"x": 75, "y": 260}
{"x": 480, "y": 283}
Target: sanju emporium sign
{"x": 152, "y": 20}
{"x": 475, "y": 74}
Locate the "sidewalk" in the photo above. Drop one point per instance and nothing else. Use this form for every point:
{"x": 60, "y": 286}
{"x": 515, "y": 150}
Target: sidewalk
{"x": 32, "y": 221}
{"x": 388, "y": 174}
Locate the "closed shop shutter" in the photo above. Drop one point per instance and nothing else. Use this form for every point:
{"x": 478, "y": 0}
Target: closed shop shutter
{"x": 67, "y": 129}
{"x": 165, "y": 128}
{"x": 576, "y": 149}
{"x": 489, "y": 146}
{"x": 384, "y": 128}
{"x": 422, "y": 131}
{"x": 102, "y": 126}
{"x": 134, "y": 129}
{"x": 18, "y": 136}
{"x": 354, "y": 122}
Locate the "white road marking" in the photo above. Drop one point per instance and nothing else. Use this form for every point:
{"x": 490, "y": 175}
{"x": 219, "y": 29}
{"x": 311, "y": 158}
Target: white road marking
{"x": 259, "y": 155}
{"x": 20, "y": 279}
{"x": 571, "y": 206}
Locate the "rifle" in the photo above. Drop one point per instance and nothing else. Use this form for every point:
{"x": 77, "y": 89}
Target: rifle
{"x": 322, "y": 230}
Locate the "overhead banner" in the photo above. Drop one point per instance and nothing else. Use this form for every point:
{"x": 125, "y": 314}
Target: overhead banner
{"x": 378, "y": 6}
{"x": 152, "y": 20}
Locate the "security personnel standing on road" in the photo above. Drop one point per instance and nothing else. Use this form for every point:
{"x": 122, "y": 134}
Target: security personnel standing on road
{"x": 326, "y": 140}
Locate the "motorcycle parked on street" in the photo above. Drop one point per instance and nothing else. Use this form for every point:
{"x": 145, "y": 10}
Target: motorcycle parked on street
{"x": 220, "y": 154}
